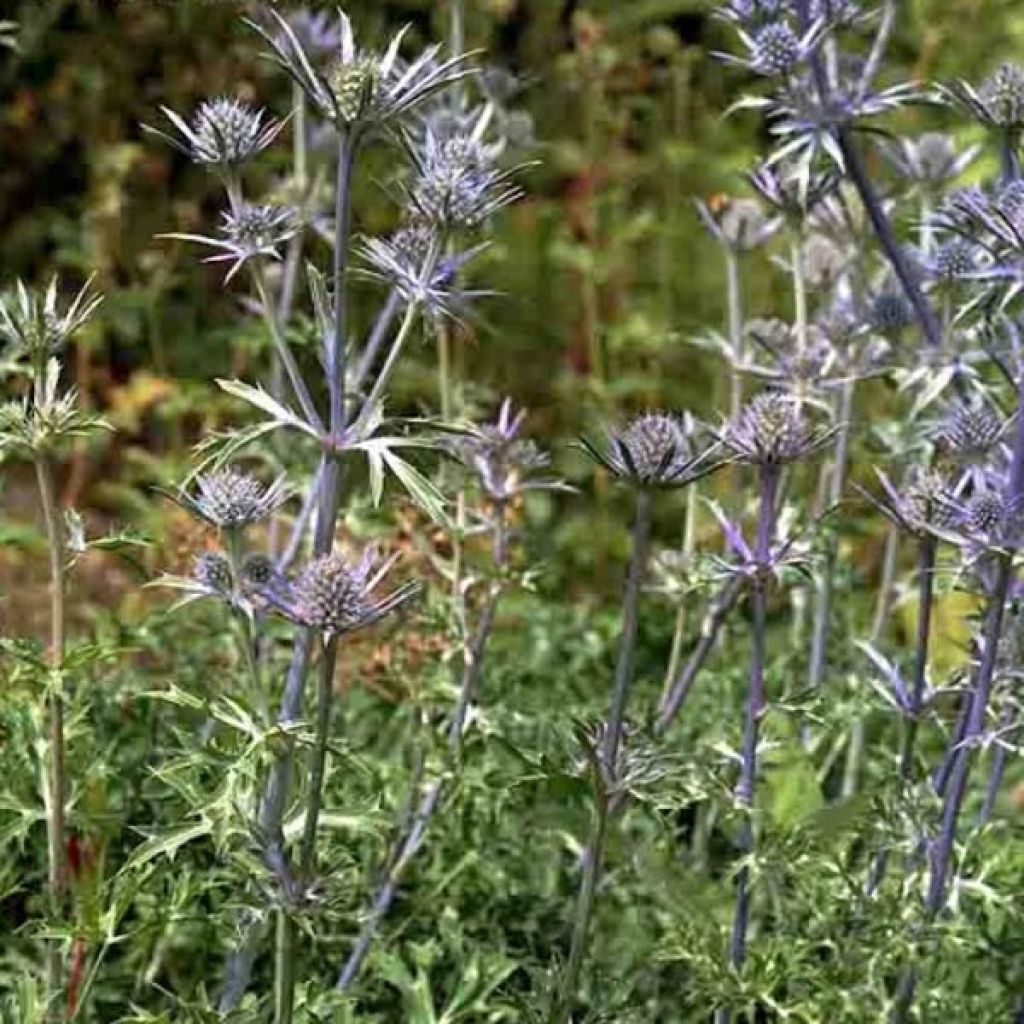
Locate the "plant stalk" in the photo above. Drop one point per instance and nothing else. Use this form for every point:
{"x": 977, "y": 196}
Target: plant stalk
{"x": 593, "y": 859}
{"x": 55, "y": 824}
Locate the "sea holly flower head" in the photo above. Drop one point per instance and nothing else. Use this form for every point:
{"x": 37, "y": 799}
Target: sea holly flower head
{"x": 334, "y": 595}
{"x": 361, "y": 88}
{"x": 32, "y": 324}
{"x": 410, "y": 262}
{"x": 212, "y": 571}
{"x": 739, "y": 224}
{"x": 658, "y": 449}
{"x": 889, "y": 312}
{"x": 925, "y": 503}
{"x": 793, "y": 192}
{"x": 251, "y": 231}
{"x": 230, "y": 500}
{"x": 997, "y": 102}
{"x": 504, "y": 463}
{"x": 969, "y": 429}
{"x": 224, "y": 130}
{"x": 772, "y": 429}
{"x": 775, "y": 46}
{"x": 456, "y": 180}
{"x": 956, "y": 260}
{"x": 930, "y": 161}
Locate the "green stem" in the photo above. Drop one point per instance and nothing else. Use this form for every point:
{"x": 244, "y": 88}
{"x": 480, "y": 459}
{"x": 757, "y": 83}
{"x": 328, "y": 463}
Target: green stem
{"x": 55, "y": 825}
{"x": 284, "y": 968}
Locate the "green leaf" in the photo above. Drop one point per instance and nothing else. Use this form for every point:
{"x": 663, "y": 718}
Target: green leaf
{"x": 791, "y": 793}
{"x": 167, "y": 844}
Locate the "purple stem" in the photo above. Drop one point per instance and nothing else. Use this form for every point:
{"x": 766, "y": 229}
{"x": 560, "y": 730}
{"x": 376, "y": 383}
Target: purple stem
{"x": 998, "y": 768}
{"x": 911, "y": 721}
{"x": 594, "y": 856}
{"x": 769, "y": 479}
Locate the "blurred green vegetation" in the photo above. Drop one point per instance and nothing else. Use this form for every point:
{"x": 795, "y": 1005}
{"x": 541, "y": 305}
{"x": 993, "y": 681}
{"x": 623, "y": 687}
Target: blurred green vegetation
{"x": 604, "y": 272}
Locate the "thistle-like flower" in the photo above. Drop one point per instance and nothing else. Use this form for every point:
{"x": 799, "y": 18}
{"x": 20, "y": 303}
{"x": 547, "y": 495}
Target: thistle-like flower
{"x": 231, "y": 500}
{"x": 410, "y": 262}
{"x": 334, "y": 595}
{"x": 501, "y": 460}
{"x": 775, "y": 47}
{"x": 790, "y": 192}
{"x": 889, "y": 312}
{"x": 212, "y": 571}
{"x": 224, "y": 131}
{"x": 930, "y": 161}
{"x": 360, "y": 88}
{"x": 456, "y": 181}
{"x": 659, "y": 449}
{"x": 771, "y": 429}
{"x": 959, "y": 259}
{"x": 32, "y": 325}
{"x": 969, "y": 429}
{"x": 998, "y": 102}
{"x": 250, "y": 232}
{"x": 925, "y": 503}
{"x": 739, "y": 224}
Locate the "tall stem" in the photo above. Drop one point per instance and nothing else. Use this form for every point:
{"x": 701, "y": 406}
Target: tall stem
{"x": 318, "y": 759}
{"x": 925, "y": 590}
{"x": 55, "y": 713}
{"x": 238, "y": 970}
{"x": 826, "y": 580}
{"x": 593, "y": 859}
{"x": 755, "y": 708}
{"x": 734, "y": 294}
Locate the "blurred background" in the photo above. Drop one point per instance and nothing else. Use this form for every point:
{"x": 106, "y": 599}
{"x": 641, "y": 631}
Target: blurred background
{"x": 604, "y": 274}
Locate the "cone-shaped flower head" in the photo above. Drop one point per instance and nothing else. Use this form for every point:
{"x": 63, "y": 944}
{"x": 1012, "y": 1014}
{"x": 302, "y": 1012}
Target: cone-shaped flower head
{"x": 772, "y": 429}
{"x": 213, "y": 571}
{"x": 457, "y": 181}
{"x": 231, "y": 500}
{"x": 335, "y": 595}
{"x": 970, "y": 429}
{"x": 658, "y": 449}
{"x": 361, "y": 88}
{"x": 224, "y": 130}
{"x": 998, "y": 102}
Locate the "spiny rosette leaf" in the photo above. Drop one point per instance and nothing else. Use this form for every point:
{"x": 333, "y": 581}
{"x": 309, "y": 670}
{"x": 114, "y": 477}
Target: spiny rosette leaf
{"x": 772, "y": 428}
{"x": 230, "y": 500}
{"x": 659, "y": 449}
{"x": 223, "y": 130}
{"x": 334, "y": 595}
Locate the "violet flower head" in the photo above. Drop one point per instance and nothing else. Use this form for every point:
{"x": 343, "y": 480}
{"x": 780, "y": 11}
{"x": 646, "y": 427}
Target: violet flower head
{"x": 230, "y": 500}
{"x": 224, "y": 131}
{"x": 504, "y": 463}
{"x": 930, "y": 161}
{"x": 889, "y": 312}
{"x": 997, "y": 102}
{"x": 252, "y": 231}
{"x": 457, "y": 182}
{"x": 360, "y": 88}
{"x": 925, "y": 503}
{"x": 410, "y": 261}
{"x": 658, "y": 449}
{"x": 969, "y": 430}
{"x": 791, "y": 193}
{"x": 335, "y": 595}
{"x": 772, "y": 429}
{"x": 212, "y": 572}
{"x": 33, "y": 324}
